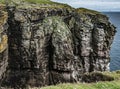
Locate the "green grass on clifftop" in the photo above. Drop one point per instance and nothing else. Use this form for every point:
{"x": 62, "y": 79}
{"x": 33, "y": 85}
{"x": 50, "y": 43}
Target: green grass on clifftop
{"x": 40, "y": 1}
{"x": 47, "y": 3}
{"x": 84, "y": 10}
{"x": 32, "y": 1}
{"x": 98, "y": 85}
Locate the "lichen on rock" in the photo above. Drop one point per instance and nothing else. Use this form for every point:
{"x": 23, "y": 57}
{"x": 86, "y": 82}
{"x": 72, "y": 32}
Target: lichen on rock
{"x": 3, "y": 42}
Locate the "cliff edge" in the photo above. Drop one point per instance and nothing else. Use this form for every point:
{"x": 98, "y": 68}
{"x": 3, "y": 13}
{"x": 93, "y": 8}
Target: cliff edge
{"x": 52, "y": 43}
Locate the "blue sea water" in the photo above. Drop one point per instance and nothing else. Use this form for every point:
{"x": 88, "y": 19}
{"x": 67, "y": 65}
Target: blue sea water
{"x": 115, "y": 47}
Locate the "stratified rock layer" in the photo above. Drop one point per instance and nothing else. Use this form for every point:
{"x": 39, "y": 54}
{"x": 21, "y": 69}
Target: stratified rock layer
{"x": 3, "y": 42}
{"x": 50, "y": 44}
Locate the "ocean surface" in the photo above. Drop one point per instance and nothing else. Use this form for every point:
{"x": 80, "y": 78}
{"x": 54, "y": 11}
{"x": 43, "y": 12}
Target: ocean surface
{"x": 115, "y": 48}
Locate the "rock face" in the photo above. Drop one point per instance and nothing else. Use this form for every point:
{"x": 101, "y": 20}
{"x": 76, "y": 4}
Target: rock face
{"x": 50, "y": 44}
{"x": 3, "y": 42}
{"x": 94, "y": 35}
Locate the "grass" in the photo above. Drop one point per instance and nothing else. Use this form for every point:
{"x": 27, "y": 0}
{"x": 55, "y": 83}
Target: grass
{"x": 49, "y": 2}
{"x": 115, "y": 74}
{"x": 31, "y": 1}
{"x": 98, "y": 85}
{"x": 2, "y": 1}
{"x": 84, "y": 10}
{"x": 40, "y": 1}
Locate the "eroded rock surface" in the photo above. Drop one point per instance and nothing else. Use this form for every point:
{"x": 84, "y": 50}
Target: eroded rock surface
{"x": 50, "y": 44}
{"x": 3, "y": 42}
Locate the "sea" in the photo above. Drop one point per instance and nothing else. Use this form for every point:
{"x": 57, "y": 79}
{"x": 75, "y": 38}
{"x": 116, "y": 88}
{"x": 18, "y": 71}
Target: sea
{"x": 114, "y": 17}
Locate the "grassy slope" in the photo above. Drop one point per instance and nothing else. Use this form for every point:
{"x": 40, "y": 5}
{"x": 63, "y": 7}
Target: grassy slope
{"x": 32, "y": 1}
{"x": 45, "y": 4}
{"x": 40, "y": 1}
{"x": 35, "y": 1}
{"x": 84, "y": 10}
{"x": 99, "y": 85}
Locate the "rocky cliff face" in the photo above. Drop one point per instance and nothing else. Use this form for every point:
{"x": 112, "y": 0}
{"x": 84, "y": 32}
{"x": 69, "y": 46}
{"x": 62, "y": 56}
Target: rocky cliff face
{"x": 54, "y": 43}
{"x": 3, "y": 42}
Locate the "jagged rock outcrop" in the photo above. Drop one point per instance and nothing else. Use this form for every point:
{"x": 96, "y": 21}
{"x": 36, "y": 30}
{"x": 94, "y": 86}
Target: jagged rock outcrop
{"x": 3, "y": 42}
{"x": 54, "y": 43}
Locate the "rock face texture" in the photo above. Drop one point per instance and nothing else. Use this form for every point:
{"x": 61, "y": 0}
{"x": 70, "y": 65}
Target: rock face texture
{"x": 3, "y": 42}
{"x": 50, "y": 44}
{"x": 94, "y": 35}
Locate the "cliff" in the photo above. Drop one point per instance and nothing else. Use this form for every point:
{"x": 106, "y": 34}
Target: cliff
{"x": 52, "y": 43}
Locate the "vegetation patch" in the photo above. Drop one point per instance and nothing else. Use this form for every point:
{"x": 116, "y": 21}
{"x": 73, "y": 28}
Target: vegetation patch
{"x": 27, "y": 3}
{"x": 87, "y": 11}
{"x": 40, "y": 1}
{"x": 2, "y": 1}
{"x": 99, "y": 85}
{"x": 115, "y": 84}
{"x": 95, "y": 77}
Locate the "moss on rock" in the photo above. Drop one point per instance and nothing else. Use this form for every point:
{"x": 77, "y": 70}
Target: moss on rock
{"x": 3, "y": 43}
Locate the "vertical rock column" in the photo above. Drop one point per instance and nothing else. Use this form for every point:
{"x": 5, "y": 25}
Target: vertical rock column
{"x": 3, "y": 43}
{"x": 103, "y": 34}
{"x": 83, "y": 33}
{"x": 94, "y": 34}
